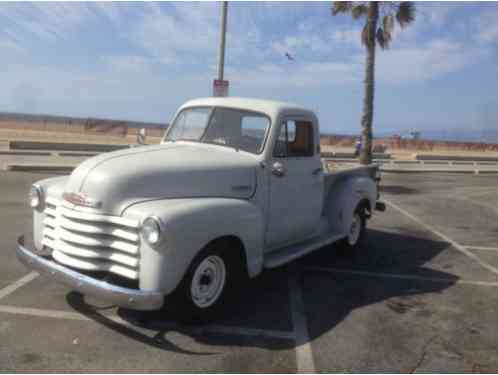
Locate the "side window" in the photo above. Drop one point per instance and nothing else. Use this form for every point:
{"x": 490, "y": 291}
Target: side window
{"x": 295, "y": 140}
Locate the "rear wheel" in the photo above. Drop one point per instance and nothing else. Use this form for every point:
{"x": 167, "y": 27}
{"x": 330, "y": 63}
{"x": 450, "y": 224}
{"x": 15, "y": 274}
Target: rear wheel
{"x": 357, "y": 230}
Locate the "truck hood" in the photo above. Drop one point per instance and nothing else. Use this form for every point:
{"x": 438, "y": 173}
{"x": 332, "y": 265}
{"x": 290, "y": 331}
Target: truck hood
{"x": 171, "y": 170}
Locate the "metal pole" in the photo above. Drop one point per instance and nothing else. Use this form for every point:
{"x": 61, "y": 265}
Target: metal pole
{"x": 221, "y": 57}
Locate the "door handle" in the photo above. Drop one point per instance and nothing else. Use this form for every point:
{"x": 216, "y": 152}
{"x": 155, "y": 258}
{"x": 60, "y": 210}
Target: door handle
{"x": 317, "y": 171}
{"x": 278, "y": 169}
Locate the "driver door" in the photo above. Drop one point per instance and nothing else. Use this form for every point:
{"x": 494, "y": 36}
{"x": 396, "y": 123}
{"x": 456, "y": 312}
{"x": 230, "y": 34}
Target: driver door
{"x": 296, "y": 184}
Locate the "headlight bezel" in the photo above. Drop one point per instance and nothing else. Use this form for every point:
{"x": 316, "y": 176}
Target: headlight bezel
{"x": 158, "y": 225}
{"x": 36, "y": 196}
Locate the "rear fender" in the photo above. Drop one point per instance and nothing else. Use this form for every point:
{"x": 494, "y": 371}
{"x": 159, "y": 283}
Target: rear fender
{"x": 343, "y": 199}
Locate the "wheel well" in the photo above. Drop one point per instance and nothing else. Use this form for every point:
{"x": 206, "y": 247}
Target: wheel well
{"x": 233, "y": 247}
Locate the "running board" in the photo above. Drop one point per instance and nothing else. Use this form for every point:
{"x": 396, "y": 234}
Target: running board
{"x": 287, "y": 254}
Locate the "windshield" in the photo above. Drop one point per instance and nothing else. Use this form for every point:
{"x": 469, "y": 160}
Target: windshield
{"x": 235, "y": 128}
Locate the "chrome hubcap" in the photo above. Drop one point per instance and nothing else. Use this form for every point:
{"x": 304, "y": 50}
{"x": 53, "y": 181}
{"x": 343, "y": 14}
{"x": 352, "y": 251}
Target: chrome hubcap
{"x": 354, "y": 230}
{"x": 208, "y": 281}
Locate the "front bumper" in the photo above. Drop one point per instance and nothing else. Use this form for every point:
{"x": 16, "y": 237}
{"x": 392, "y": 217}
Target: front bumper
{"x": 117, "y": 295}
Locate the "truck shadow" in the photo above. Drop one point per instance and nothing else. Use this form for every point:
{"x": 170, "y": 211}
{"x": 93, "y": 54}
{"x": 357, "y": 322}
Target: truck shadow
{"x": 343, "y": 283}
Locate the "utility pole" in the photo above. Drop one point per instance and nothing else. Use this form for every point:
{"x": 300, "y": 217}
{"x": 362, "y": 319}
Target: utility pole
{"x": 221, "y": 52}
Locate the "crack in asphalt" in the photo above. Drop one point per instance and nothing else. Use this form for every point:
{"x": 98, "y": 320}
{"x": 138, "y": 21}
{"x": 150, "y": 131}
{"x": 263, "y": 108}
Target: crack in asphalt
{"x": 423, "y": 355}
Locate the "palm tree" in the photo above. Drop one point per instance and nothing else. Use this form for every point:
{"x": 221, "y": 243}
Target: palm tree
{"x": 374, "y": 32}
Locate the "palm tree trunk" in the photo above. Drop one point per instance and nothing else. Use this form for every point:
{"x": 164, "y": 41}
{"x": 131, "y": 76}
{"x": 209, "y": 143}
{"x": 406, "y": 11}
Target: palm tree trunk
{"x": 368, "y": 100}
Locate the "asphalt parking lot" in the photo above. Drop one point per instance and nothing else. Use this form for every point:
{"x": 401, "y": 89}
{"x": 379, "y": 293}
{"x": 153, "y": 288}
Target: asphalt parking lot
{"x": 421, "y": 295}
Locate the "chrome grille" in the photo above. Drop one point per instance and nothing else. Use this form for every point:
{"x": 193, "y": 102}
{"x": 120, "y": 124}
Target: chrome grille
{"x": 91, "y": 241}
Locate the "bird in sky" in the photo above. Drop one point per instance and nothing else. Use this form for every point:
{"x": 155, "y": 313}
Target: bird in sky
{"x": 289, "y": 57}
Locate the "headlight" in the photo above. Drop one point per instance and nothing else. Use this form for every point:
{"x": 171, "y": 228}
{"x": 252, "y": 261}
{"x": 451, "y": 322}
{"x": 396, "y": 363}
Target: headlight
{"x": 151, "y": 230}
{"x": 35, "y": 196}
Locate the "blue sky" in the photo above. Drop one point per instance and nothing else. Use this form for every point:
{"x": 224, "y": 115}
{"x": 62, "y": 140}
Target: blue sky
{"x": 140, "y": 61}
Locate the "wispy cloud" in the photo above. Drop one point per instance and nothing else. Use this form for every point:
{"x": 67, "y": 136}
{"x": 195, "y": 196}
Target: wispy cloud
{"x": 428, "y": 61}
{"x": 42, "y": 21}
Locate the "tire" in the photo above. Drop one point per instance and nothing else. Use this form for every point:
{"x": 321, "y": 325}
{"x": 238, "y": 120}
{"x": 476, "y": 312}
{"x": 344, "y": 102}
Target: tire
{"x": 357, "y": 233}
{"x": 206, "y": 287}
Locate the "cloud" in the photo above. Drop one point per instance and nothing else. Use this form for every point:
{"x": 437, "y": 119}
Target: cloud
{"x": 428, "y": 61}
{"x": 296, "y": 75}
{"x": 487, "y": 27}
{"x": 44, "y": 21}
{"x": 128, "y": 64}
{"x": 350, "y": 36}
{"x": 183, "y": 30}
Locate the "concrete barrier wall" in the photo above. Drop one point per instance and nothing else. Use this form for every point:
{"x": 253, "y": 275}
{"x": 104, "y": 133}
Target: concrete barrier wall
{"x": 28, "y": 145}
{"x": 91, "y": 127}
{"x": 396, "y": 143}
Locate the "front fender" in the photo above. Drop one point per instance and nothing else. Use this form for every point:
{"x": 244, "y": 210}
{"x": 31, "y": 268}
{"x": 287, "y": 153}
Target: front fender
{"x": 190, "y": 224}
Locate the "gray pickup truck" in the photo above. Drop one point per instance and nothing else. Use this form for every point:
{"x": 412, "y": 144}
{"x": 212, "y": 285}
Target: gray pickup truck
{"x": 236, "y": 186}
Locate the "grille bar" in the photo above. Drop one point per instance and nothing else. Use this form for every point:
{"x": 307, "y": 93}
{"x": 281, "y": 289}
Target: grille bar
{"x": 91, "y": 241}
{"x": 94, "y": 265}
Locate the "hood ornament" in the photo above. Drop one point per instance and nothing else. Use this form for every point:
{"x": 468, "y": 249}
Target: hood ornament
{"x": 80, "y": 199}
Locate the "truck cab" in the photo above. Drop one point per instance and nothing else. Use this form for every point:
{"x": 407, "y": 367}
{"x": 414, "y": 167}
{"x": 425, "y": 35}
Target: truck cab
{"x": 236, "y": 186}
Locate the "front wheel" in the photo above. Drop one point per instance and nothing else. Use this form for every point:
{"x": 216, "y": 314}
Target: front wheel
{"x": 205, "y": 287}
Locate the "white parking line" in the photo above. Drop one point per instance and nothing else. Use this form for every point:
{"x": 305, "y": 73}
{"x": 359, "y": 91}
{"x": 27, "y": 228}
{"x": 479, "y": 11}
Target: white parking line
{"x": 401, "y": 276}
{"x": 482, "y": 248}
{"x": 213, "y": 329}
{"x": 455, "y": 244}
{"x": 55, "y": 314}
{"x": 304, "y": 355}
{"x": 17, "y": 284}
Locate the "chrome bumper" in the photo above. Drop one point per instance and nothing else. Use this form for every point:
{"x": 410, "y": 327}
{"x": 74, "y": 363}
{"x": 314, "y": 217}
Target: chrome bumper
{"x": 124, "y": 297}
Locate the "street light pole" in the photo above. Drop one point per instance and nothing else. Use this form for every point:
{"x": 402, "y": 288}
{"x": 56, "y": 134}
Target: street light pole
{"x": 221, "y": 56}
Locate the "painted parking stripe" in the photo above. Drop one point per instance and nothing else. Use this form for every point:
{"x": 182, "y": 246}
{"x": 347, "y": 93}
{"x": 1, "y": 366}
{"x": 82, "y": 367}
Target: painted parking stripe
{"x": 304, "y": 354}
{"x": 9, "y": 289}
{"x": 401, "y": 276}
{"x": 453, "y": 243}
{"x": 482, "y": 248}
{"x": 212, "y": 329}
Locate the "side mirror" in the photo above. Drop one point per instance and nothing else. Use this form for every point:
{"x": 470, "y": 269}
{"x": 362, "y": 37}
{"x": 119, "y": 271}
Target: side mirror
{"x": 141, "y": 136}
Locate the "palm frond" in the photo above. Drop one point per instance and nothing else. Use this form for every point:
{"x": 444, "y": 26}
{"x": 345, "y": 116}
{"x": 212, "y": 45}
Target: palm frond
{"x": 358, "y": 11}
{"x": 405, "y": 13}
{"x": 341, "y": 7}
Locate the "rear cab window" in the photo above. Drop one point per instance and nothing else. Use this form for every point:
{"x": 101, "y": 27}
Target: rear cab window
{"x": 295, "y": 139}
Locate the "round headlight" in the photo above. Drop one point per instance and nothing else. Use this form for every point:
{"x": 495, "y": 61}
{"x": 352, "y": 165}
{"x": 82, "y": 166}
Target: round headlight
{"x": 35, "y": 196}
{"x": 151, "y": 230}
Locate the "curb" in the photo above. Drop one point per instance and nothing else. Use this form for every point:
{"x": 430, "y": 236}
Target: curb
{"x": 26, "y": 153}
{"x": 38, "y": 167}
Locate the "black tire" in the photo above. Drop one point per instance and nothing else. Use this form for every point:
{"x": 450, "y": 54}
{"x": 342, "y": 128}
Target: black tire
{"x": 346, "y": 245}
{"x": 181, "y": 303}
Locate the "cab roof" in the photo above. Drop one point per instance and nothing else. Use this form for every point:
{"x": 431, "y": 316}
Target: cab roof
{"x": 269, "y": 107}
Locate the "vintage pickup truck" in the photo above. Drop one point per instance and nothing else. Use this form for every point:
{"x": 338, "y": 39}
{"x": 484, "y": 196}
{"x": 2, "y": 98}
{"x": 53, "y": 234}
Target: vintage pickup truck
{"x": 236, "y": 186}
